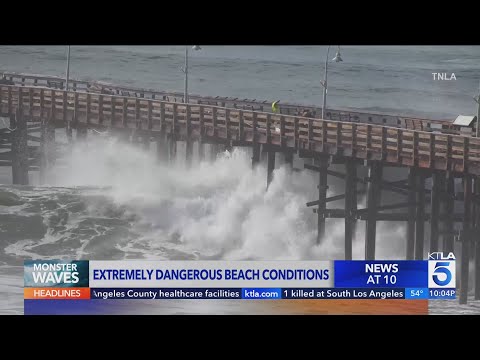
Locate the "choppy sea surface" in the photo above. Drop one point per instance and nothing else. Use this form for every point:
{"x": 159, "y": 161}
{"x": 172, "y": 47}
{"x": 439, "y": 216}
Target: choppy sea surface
{"x": 110, "y": 200}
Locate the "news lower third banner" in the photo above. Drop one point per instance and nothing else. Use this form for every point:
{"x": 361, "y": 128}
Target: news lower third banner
{"x": 86, "y": 281}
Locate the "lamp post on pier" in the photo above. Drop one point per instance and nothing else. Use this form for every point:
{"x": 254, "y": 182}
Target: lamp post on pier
{"x": 67, "y": 72}
{"x": 324, "y": 83}
{"x": 477, "y": 99}
{"x": 68, "y": 125}
{"x": 185, "y": 71}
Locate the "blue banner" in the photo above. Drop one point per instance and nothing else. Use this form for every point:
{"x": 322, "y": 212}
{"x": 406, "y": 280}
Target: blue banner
{"x": 381, "y": 274}
{"x": 253, "y": 293}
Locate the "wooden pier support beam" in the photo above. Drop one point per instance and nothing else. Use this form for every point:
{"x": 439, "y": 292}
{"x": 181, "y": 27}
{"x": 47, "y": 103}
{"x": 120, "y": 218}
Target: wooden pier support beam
{"x": 214, "y": 151}
{"x": 19, "y": 148}
{"x": 449, "y": 207}
{"x": 146, "y": 142}
{"x": 228, "y": 147}
{"x": 81, "y": 132}
{"x": 322, "y": 162}
{"x": 465, "y": 238}
{"x": 437, "y": 187}
{"x": 172, "y": 148}
{"x": 51, "y": 147}
{"x": 162, "y": 148}
{"x": 23, "y": 158}
{"x": 127, "y": 136}
{"x": 476, "y": 240}
{"x": 270, "y": 166}
{"x": 412, "y": 197}
{"x": 201, "y": 151}
{"x": 263, "y": 153}
{"x": 350, "y": 206}
{"x": 68, "y": 130}
{"x": 255, "y": 154}
{"x": 14, "y": 149}
{"x": 42, "y": 156}
{"x": 288, "y": 159}
{"x": 420, "y": 223}
{"x": 188, "y": 153}
{"x": 373, "y": 200}
{"x": 135, "y": 139}
{"x": 47, "y": 147}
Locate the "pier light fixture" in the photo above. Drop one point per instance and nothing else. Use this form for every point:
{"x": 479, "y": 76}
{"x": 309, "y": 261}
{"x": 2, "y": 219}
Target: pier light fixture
{"x": 185, "y": 71}
{"x": 477, "y": 99}
{"x": 67, "y": 72}
{"x": 337, "y": 58}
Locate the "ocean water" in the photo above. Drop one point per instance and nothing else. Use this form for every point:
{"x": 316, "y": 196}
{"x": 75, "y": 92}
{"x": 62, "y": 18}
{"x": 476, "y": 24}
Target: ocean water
{"x": 110, "y": 200}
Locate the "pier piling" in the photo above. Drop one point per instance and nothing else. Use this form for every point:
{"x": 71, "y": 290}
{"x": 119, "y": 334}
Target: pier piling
{"x": 201, "y": 151}
{"x": 14, "y": 149}
{"x": 172, "y": 149}
{"x": 465, "y": 238}
{"x": 214, "y": 150}
{"x": 373, "y": 200}
{"x": 19, "y": 149}
{"x": 146, "y": 142}
{"x": 162, "y": 148}
{"x": 449, "y": 205}
{"x": 288, "y": 159}
{"x": 255, "y": 154}
{"x": 81, "y": 133}
{"x": 42, "y": 152}
{"x": 188, "y": 153}
{"x": 322, "y": 162}
{"x": 410, "y": 251}
{"x": 420, "y": 223}
{"x": 437, "y": 187}
{"x": 47, "y": 147}
{"x": 270, "y": 167}
{"x": 350, "y": 205}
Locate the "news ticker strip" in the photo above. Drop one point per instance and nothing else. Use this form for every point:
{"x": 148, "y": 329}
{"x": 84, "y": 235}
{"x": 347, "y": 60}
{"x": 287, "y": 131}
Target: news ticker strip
{"x": 436, "y": 273}
{"x": 236, "y": 293}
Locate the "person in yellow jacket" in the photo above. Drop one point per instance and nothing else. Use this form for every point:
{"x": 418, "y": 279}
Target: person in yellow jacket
{"x": 275, "y": 108}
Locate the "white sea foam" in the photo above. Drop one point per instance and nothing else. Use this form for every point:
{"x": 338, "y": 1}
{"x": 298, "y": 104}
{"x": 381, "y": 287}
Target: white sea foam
{"x": 217, "y": 208}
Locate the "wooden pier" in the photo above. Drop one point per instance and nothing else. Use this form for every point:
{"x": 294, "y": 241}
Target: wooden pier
{"x": 429, "y": 150}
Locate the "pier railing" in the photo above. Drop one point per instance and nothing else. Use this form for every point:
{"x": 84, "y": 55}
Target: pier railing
{"x": 245, "y": 127}
{"x": 408, "y": 122}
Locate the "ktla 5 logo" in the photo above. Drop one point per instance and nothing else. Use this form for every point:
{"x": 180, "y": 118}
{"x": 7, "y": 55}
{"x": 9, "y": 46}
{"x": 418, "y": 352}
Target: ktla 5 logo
{"x": 441, "y": 271}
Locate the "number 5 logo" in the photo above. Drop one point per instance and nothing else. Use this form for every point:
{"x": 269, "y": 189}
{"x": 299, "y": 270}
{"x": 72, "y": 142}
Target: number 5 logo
{"x": 441, "y": 274}
{"x": 442, "y": 268}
